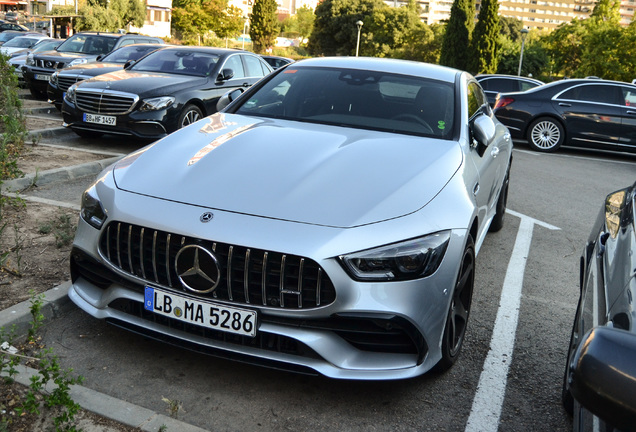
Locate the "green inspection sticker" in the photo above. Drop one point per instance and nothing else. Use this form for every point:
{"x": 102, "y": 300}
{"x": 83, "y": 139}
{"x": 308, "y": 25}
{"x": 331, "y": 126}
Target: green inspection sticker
{"x": 441, "y": 125}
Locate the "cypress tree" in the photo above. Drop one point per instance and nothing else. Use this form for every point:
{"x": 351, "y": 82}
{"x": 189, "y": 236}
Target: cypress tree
{"x": 484, "y": 45}
{"x": 263, "y": 24}
{"x": 456, "y": 44}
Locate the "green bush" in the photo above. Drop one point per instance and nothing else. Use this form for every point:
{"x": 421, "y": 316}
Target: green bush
{"x": 13, "y": 130}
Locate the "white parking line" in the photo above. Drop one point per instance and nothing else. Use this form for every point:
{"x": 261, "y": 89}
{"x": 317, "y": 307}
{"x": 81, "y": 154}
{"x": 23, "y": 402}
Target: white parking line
{"x": 486, "y": 409}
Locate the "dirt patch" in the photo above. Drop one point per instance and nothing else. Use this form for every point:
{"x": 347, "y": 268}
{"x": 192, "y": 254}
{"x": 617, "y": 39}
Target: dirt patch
{"x": 39, "y": 122}
{"x": 41, "y": 157}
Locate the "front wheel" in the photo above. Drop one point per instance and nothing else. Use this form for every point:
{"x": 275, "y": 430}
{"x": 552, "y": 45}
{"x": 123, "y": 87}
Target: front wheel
{"x": 459, "y": 310}
{"x": 190, "y": 114}
{"x": 545, "y": 135}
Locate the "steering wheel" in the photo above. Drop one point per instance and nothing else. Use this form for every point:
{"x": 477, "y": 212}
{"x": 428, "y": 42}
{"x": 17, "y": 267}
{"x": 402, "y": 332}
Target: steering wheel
{"x": 414, "y": 119}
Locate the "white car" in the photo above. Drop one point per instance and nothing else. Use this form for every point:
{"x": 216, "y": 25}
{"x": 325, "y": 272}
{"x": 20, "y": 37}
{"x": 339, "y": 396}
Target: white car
{"x": 21, "y": 43}
{"x": 326, "y": 221}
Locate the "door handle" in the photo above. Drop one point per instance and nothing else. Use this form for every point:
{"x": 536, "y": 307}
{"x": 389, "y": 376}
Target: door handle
{"x": 565, "y": 104}
{"x": 631, "y": 112}
{"x": 246, "y": 84}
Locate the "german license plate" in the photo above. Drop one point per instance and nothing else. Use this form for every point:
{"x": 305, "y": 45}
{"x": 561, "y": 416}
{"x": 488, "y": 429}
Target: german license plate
{"x": 100, "y": 119}
{"x": 41, "y": 77}
{"x": 205, "y": 314}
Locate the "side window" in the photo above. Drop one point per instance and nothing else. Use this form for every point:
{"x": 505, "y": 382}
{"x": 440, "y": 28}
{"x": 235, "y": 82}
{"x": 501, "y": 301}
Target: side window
{"x": 503, "y": 85}
{"x": 253, "y": 66}
{"x": 629, "y": 96}
{"x": 235, "y": 63}
{"x": 476, "y": 99}
{"x": 598, "y": 93}
{"x": 525, "y": 85}
{"x": 127, "y": 42}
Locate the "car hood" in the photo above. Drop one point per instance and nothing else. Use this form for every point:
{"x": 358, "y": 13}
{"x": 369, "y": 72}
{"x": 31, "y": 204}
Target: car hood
{"x": 65, "y": 57}
{"x": 307, "y": 173}
{"x": 144, "y": 83}
{"x": 91, "y": 69}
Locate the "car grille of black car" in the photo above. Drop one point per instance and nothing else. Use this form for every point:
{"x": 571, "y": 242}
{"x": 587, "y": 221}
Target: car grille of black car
{"x": 49, "y": 64}
{"x": 104, "y": 102}
{"x": 64, "y": 82}
{"x": 248, "y": 276}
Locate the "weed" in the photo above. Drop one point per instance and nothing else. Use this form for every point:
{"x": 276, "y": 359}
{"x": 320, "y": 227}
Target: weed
{"x": 63, "y": 230}
{"x": 174, "y": 406}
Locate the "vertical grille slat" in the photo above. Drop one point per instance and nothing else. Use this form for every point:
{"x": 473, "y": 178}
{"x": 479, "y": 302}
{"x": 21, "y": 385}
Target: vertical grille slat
{"x": 249, "y": 276}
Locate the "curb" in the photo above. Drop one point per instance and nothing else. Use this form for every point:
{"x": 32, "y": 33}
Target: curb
{"x": 48, "y": 133}
{"x": 57, "y": 302}
{"x": 41, "y": 110}
{"x": 58, "y": 174}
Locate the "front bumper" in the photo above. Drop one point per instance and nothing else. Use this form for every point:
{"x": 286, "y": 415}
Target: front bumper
{"x": 145, "y": 125}
{"x": 37, "y": 78}
{"x": 369, "y": 331}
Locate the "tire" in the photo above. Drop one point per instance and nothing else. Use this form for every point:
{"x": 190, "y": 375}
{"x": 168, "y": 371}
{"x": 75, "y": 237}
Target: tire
{"x": 546, "y": 134}
{"x": 498, "y": 221}
{"x": 459, "y": 310}
{"x": 87, "y": 134}
{"x": 190, "y": 114}
{"x": 566, "y": 397}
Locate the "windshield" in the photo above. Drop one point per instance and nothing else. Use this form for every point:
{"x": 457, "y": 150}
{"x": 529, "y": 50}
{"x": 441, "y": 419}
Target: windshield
{"x": 357, "y": 98}
{"x": 46, "y": 45}
{"x": 21, "y": 42}
{"x": 130, "y": 52}
{"x": 88, "y": 44}
{"x": 7, "y": 36}
{"x": 177, "y": 61}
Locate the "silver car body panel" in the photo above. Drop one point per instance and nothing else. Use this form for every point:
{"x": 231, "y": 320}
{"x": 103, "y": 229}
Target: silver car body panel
{"x": 387, "y": 188}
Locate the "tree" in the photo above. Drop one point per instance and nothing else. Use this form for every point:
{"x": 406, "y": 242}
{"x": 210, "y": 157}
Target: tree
{"x": 456, "y": 43}
{"x": 305, "y": 18}
{"x": 607, "y": 10}
{"x": 231, "y": 24}
{"x": 510, "y": 27}
{"x": 130, "y": 12}
{"x": 484, "y": 43}
{"x": 263, "y": 24}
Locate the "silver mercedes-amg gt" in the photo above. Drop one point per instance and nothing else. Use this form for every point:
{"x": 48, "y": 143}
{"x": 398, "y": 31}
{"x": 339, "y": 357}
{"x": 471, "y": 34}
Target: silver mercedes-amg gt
{"x": 325, "y": 221}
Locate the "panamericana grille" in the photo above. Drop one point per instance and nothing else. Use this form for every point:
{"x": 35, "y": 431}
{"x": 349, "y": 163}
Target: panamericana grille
{"x": 49, "y": 64}
{"x": 248, "y": 276}
{"x": 104, "y": 102}
{"x": 64, "y": 82}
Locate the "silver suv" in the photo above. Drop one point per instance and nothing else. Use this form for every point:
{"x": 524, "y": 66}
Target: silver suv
{"x": 80, "y": 48}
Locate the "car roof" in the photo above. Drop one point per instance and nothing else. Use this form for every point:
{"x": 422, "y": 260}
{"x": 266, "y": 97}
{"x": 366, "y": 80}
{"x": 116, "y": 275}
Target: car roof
{"x": 403, "y": 67}
{"x": 481, "y": 77}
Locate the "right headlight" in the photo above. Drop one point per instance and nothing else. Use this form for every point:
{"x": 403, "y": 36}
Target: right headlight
{"x": 411, "y": 259}
{"x": 92, "y": 211}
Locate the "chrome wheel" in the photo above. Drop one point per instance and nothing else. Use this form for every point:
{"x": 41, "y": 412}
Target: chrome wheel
{"x": 190, "y": 114}
{"x": 546, "y": 135}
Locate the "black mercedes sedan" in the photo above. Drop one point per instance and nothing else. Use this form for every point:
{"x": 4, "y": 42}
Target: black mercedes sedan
{"x": 115, "y": 60}
{"x": 590, "y": 114}
{"x": 599, "y": 384}
{"x": 162, "y": 92}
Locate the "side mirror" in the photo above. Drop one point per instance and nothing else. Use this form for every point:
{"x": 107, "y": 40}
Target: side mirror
{"x": 228, "y": 98}
{"x": 603, "y": 375}
{"x": 225, "y": 75}
{"x": 128, "y": 64}
{"x": 484, "y": 130}
{"x": 100, "y": 57}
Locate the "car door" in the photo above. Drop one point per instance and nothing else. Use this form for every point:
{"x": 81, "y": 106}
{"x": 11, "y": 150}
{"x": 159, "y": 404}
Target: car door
{"x": 628, "y": 119}
{"x": 592, "y": 114}
{"x": 491, "y": 163}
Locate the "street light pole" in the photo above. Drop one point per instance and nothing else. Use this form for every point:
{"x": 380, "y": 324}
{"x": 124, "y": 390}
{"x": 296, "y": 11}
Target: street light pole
{"x": 245, "y": 32}
{"x": 524, "y": 33}
{"x": 359, "y": 24}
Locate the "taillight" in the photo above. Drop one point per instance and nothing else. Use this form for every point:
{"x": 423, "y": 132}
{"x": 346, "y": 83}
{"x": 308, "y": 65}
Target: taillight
{"x": 502, "y": 102}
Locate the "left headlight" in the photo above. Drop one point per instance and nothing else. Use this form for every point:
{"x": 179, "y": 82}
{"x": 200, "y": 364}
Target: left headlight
{"x": 77, "y": 62}
{"x": 411, "y": 259}
{"x": 157, "y": 103}
{"x": 92, "y": 211}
